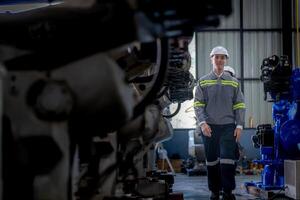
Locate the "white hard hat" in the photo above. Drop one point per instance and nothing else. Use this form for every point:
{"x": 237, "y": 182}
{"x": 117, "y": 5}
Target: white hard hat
{"x": 219, "y": 50}
{"x": 229, "y": 69}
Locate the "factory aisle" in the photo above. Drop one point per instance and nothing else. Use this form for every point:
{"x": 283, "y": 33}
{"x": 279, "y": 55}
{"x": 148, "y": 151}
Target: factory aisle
{"x": 195, "y": 187}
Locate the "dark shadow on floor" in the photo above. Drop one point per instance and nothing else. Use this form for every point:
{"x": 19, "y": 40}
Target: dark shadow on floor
{"x": 195, "y": 187}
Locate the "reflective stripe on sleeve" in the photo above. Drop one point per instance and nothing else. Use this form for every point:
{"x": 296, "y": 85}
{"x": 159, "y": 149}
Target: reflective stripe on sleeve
{"x": 239, "y": 106}
{"x": 199, "y": 104}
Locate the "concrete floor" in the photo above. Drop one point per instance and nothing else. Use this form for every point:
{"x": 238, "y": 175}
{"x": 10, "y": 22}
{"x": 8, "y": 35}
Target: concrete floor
{"x": 195, "y": 187}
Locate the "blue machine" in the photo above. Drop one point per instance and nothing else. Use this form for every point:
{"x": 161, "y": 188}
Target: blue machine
{"x": 281, "y": 141}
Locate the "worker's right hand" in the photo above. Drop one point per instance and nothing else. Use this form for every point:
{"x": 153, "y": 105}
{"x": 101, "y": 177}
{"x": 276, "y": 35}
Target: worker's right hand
{"x": 206, "y": 130}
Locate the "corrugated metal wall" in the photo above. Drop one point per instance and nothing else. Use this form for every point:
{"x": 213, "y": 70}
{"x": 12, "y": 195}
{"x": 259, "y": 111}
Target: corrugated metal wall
{"x": 257, "y": 14}
{"x": 232, "y": 21}
{"x": 207, "y": 40}
{"x": 259, "y": 110}
{"x": 257, "y": 46}
{"x": 262, "y": 13}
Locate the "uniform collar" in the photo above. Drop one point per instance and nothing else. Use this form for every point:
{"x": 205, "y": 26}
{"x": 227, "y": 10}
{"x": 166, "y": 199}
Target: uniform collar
{"x": 215, "y": 76}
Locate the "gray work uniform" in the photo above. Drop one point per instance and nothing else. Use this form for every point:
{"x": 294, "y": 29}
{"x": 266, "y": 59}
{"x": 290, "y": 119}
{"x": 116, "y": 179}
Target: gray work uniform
{"x": 220, "y": 103}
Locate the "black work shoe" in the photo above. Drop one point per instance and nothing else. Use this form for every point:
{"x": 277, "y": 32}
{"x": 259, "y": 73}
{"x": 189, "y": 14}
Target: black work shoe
{"x": 214, "y": 196}
{"x": 228, "y": 196}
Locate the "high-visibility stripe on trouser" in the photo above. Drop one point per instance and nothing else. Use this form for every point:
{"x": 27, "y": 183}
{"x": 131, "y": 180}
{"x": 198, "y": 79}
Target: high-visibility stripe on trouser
{"x": 227, "y": 161}
{"x": 213, "y": 163}
{"x": 220, "y": 147}
{"x": 227, "y": 158}
{"x": 212, "y": 154}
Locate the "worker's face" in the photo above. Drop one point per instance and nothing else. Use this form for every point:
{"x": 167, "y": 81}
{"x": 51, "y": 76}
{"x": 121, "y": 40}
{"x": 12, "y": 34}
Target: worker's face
{"x": 218, "y": 61}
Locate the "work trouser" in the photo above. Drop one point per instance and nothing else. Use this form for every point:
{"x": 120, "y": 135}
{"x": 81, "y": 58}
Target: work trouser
{"x": 221, "y": 153}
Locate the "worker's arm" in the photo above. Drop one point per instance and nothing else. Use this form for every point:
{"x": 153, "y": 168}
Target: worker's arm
{"x": 199, "y": 106}
{"x": 239, "y": 108}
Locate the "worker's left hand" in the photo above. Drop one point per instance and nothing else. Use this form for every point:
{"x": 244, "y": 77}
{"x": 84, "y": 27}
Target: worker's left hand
{"x": 237, "y": 134}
